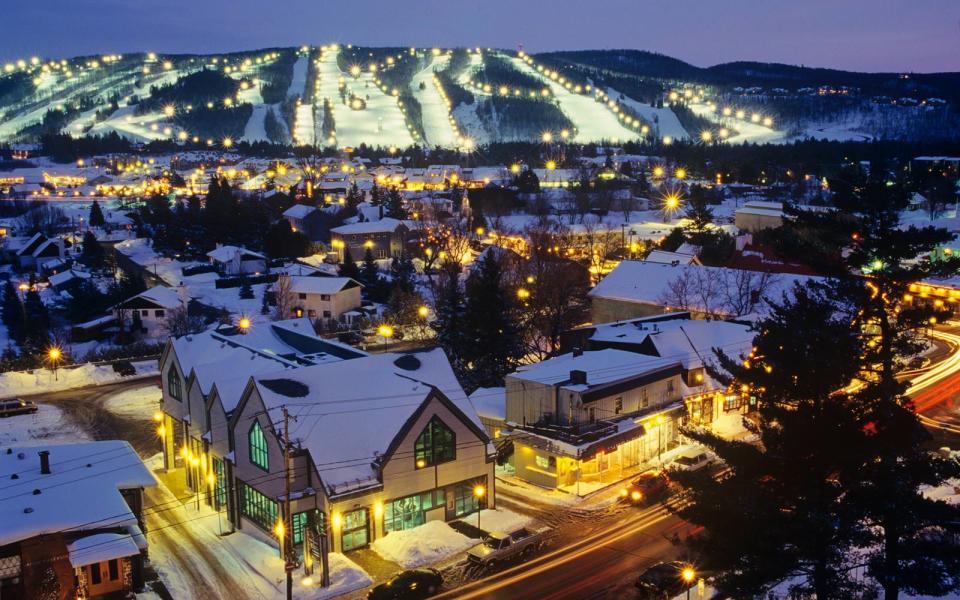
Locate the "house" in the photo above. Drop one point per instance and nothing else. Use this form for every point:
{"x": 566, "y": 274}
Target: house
{"x": 384, "y": 238}
{"x": 202, "y": 385}
{"x": 380, "y": 444}
{"x": 307, "y": 220}
{"x": 65, "y": 279}
{"x": 39, "y": 250}
{"x": 589, "y": 418}
{"x": 639, "y": 288}
{"x": 146, "y": 313}
{"x": 756, "y": 215}
{"x": 672, "y": 258}
{"x": 491, "y": 407}
{"x": 71, "y": 517}
{"x": 232, "y": 261}
{"x": 326, "y": 298}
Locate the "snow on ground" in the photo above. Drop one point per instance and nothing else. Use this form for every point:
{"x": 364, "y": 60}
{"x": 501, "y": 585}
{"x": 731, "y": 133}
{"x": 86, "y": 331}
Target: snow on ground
{"x": 298, "y": 83}
{"x": 424, "y": 545}
{"x": 138, "y": 403}
{"x": 836, "y": 132}
{"x": 753, "y": 133}
{"x": 138, "y": 128}
{"x": 380, "y": 124}
{"x": 304, "y": 125}
{"x": 594, "y": 122}
{"x": 663, "y": 121}
{"x": 436, "y": 116}
{"x": 46, "y": 425}
{"x": 21, "y": 383}
{"x": 470, "y": 123}
{"x": 255, "y": 131}
{"x": 499, "y": 519}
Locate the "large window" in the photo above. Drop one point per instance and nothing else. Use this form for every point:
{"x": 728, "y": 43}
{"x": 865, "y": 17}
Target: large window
{"x": 409, "y": 512}
{"x": 356, "y": 533}
{"x": 259, "y": 454}
{"x": 436, "y": 444}
{"x": 173, "y": 384}
{"x": 220, "y": 491}
{"x": 465, "y": 501}
{"x": 299, "y": 525}
{"x": 258, "y": 508}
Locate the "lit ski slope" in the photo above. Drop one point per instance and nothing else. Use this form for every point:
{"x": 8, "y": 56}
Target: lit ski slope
{"x": 380, "y": 124}
{"x": 663, "y": 121}
{"x": 593, "y": 121}
{"x": 436, "y": 114}
{"x": 750, "y": 131}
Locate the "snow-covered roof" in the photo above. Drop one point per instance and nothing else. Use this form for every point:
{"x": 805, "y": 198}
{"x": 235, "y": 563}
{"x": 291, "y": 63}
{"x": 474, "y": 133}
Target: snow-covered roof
{"x": 385, "y": 225}
{"x": 650, "y": 283}
{"x": 101, "y": 547}
{"x": 321, "y": 285}
{"x": 65, "y": 276}
{"x": 692, "y": 341}
{"x": 81, "y": 492}
{"x": 490, "y": 403}
{"x": 299, "y": 211}
{"x": 352, "y": 411}
{"x": 160, "y": 295}
{"x": 601, "y": 367}
{"x": 226, "y": 253}
{"x": 665, "y": 257}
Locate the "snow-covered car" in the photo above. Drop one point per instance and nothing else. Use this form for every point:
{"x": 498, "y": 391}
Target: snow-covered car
{"x": 413, "y": 584}
{"x": 499, "y": 546}
{"x": 693, "y": 459}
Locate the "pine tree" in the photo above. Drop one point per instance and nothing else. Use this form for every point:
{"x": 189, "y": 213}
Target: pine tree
{"x": 36, "y": 330}
{"x": 246, "y": 290}
{"x": 348, "y": 268}
{"x": 370, "y": 276}
{"x": 700, "y": 215}
{"x": 790, "y": 487}
{"x": 492, "y": 334}
{"x": 12, "y": 311}
{"x": 450, "y": 310}
{"x": 402, "y": 273}
{"x": 96, "y": 215}
{"x": 395, "y": 207}
{"x": 92, "y": 253}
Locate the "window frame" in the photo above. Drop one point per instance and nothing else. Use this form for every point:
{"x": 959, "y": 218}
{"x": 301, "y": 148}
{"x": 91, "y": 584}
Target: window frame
{"x": 174, "y": 377}
{"x": 264, "y": 450}
{"x": 430, "y": 451}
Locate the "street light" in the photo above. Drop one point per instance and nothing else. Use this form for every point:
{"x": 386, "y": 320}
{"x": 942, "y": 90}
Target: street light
{"x": 243, "y": 324}
{"x": 54, "y": 355}
{"x": 523, "y": 294}
{"x": 479, "y": 491}
{"x": 688, "y": 574}
{"x": 660, "y": 439}
{"x": 423, "y": 312}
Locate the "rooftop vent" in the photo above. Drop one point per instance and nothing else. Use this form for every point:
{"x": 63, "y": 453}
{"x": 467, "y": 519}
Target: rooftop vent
{"x": 408, "y": 362}
{"x": 578, "y": 377}
{"x": 44, "y": 462}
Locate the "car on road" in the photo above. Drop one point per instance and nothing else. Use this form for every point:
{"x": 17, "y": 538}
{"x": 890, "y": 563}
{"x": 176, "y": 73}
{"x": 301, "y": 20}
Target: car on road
{"x": 413, "y": 584}
{"x": 663, "y": 580}
{"x": 649, "y": 487}
{"x": 692, "y": 459}
{"x": 499, "y": 546}
{"x": 16, "y": 406}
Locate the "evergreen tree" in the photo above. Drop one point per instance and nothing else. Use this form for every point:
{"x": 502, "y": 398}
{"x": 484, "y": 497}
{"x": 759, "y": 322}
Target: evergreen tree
{"x": 370, "y": 276}
{"x": 265, "y": 304}
{"x": 402, "y": 273}
{"x": 348, "y": 268}
{"x": 494, "y": 345}
{"x": 246, "y": 290}
{"x": 700, "y": 215}
{"x": 395, "y": 207}
{"x": 528, "y": 182}
{"x": 36, "y": 329}
{"x": 96, "y": 215}
{"x": 451, "y": 317}
{"x": 92, "y": 253}
{"x": 12, "y": 311}
{"x": 791, "y": 492}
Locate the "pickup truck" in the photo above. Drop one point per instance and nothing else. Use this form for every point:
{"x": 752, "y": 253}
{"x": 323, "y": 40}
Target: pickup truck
{"x": 499, "y": 546}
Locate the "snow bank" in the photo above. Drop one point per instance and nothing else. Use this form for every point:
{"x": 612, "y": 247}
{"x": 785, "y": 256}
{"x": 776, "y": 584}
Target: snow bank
{"x": 498, "y": 519}
{"x": 138, "y": 403}
{"x": 345, "y": 577}
{"x": 21, "y": 383}
{"x": 423, "y": 545}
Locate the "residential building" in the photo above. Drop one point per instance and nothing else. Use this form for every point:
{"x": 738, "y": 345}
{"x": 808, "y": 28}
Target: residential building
{"x": 384, "y": 238}
{"x": 590, "y": 418}
{"x": 307, "y": 220}
{"x": 491, "y": 407}
{"x": 672, "y": 258}
{"x": 71, "y": 517}
{"x": 380, "y": 444}
{"x": 321, "y": 298}
{"x": 756, "y": 215}
{"x": 146, "y": 313}
{"x": 232, "y": 261}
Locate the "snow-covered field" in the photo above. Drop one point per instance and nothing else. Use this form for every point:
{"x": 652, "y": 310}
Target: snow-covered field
{"x": 255, "y": 131}
{"x": 380, "y": 124}
{"x": 44, "y": 426}
{"x": 436, "y": 115}
{"x": 753, "y": 133}
{"x": 594, "y": 122}
{"x": 663, "y": 121}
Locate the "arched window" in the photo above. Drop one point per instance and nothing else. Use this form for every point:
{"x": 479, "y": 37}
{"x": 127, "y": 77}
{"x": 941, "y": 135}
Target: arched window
{"x": 436, "y": 444}
{"x": 173, "y": 384}
{"x": 259, "y": 454}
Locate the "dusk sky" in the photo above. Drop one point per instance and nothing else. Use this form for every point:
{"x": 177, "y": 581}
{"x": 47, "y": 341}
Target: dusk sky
{"x": 867, "y": 35}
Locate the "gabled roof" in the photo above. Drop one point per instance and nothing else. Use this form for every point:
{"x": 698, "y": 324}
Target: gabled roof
{"x": 32, "y": 244}
{"x": 299, "y": 211}
{"x": 158, "y": 296}
{"x": 350, "y": 414}
{"x": 385, "y": 225}
{"x": 81, "y": 493}
{"x": 602, "y": 367}
{"x": 63, "y": 277}
{"x": 666, "y": 258}
{"x": 321, "y": 285}
{"x": 226, "y": 254}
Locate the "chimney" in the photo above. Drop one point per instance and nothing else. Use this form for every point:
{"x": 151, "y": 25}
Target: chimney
{"x": 44, "y": 462}
{"x": 577, "y": 351}
{"x": 578, "y": 377}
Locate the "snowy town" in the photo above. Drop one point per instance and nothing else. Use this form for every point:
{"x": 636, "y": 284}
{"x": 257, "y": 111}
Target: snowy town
{"x": 349, "y": 321}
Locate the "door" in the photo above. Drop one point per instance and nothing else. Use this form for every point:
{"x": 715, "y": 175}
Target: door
{"x": 356, "y": 532}
{"x": 104, "y": 577}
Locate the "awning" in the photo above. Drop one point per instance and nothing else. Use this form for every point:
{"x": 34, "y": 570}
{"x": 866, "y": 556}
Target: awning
{"x": 100, "y": 547}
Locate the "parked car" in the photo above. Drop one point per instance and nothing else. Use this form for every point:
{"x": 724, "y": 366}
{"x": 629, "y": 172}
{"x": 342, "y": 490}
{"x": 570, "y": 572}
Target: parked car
{"x": 649, "y": 487}
{"x": 663, "y": 580}
{"x": 16, "y": 406}
{"x": 499, "y": 546}
{"x": 408, "y": 585}
{"x": 693, "y": 459}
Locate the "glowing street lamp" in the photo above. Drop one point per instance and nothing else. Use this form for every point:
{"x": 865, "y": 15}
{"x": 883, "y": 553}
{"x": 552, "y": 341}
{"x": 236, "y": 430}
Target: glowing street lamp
{"x": 688, "y": 574}
{"x": 423, "y": 312}
{"x": 479, "y": 492}
{"x": 54, "y": 355}
{"x": 547, "y": 137}
{"x": 523, "y": 294}
{"x": 243, "y": 324}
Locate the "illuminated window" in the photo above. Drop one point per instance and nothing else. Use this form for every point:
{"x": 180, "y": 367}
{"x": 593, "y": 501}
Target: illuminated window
{"x": 259, "y": 454}
{"x": 173, "y": 384}
{"x": 436, "y": 444}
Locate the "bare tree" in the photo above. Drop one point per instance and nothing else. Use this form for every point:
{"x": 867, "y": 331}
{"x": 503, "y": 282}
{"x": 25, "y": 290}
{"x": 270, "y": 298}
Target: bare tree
{"x": 179, "y": 322}
{"x": 283, "y": 290}
{"x": 744, "y": 290}
{"x": 727, "y": 292}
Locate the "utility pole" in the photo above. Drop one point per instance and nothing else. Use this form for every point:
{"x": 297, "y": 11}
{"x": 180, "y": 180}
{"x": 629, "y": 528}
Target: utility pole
{"x": 287, "y": 520}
